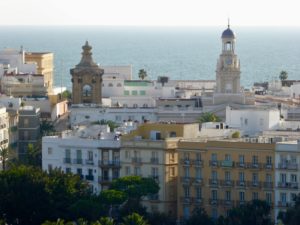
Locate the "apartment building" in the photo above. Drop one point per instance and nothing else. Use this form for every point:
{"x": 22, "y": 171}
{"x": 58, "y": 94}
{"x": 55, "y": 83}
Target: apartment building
{"x": 92, "y": 152}
{"x": 218, "y": 175}
{"x": 150, "y": 151}
{"x": 287, "y": 174}
{"x": 4, "y": 135}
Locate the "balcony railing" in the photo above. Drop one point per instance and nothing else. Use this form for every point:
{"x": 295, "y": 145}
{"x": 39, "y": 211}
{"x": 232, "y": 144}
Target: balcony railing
{"x": 186, "y": 180}
{"x": 197, "y": 162}
{"x": 240, "y": 164}
{"x": 227, "y": 163}
{"x": 228, "y": 203}
{"x": 213, "y": 182}
{"x": 254, "y": 165}
{"x": 227, "y": 183}
{"x": 213, "y": 201}
{"x": 104, "y": 179}
{"x": 288, "y": 166}
{"x": 268, "y": 185}
{"x": 213, "y": 163}
{"x": 89, "y": 177}
{"x": 254, "y": 184}
{"x": 136, "y": 160}
{"x": 67, "y": 160}
{"x": 241, "y": 183}
{"x": 185, "y": 162}
{"x": 198, "y": 181}
{"x": 268, "y": 166}
{"x": 288, "y": 185}
{"x": 109, "y": 163}
{"x": 89, "y": 162}
{"x": 240, "y": 202}
{"x": 77, "y": 161}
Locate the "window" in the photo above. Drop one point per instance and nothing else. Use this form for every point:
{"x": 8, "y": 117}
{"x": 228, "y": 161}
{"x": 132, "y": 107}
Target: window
{"x": 283, "y": 178}
{"x": 134, "y": 93}
{"x": 268, "y": 178}
{"x": 269, "y": 160}
{"x": 227, "y": 157}
{"x": 172, "y": 171}
{"x": 154, "y": 172}
{"x": 127, "y": 170}
{"x": 186, "y": 211}
{"x": 214, "y": 157}
{"x": 255, "y": 178}
{"x": 246, "y": 121}
{"x": 172, "y": 134}
{"x": 119, "y": 85}
{"x": 86, "y": 90}
{"x": 293, "y": 159}
{"x": 90, "y": 172}
{"x": 186, "y": 191}
{"x": 118, "y": 118}
{"x": 198, "y": 156}
{"x": 110, "y": 85}
{"x": 241, "y": 159}
{"x": 254, "y": 159}
{"x": 68, "y": 153}
{"x": 186, "y": 156}
{"x": 254, "y": 195}
{"x": 227, "y": 176}
{"x": 126, "y": 93}
{"x": 214, "y": 175}
{"x": 135, "y": 105}
{"x": 228, "y": 195}
{"x": 242, "y": 196}
{"x": 26, "y": 121}
{"x": 50, "y": 167}
{"x": 137, "y": 171}
{"x": 127, "y": 154}
{"x": 268, "y": 197}
{"x": 68, "y": 170}
{"x": 90, "y": 156}
{"x": 50, "y": 151}
{"x": 145, "y": 105}
{"x": 214, "y": 194}
{"x": 283, "y": 197}
{"x": 241, "y": 176}
{"x": 115, "y": 173}
{"x": 142, "y": 92}
{"x": 186, "y": 172}
{"x": 214, "y": 213}
{"x": 198, "y": 192}
{"x": 293, "y": 196}
{"x": 198, "y": 172}
{"x": 293, "y": 178}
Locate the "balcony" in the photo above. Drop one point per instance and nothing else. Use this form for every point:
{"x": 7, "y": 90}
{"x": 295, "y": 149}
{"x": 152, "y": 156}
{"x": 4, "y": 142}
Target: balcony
{"x": 198, "y": 181}
{"x": 198, "y": 201}
{"x": 213, "y": 182}
{"x": 227, "y": 203}
{"x": 213, "y": 163}
{"x": 109, "y": 163}
{"x": 254, "y": 184}
{"x": 186, "y": 162}
{"x": 283, "y": 204}
{"x": 268, "y": 185}
{"x": 89, "y": 162}
{"x": 186, "y": 200}
{"x": 227, "y": 163}
{"x": 268, "y": 166}
{"x": 136, "y": 160}
{"x": 197, "y": 162}
{"x": 241, "y": 183}
{"x": 226, "y": 183}
{"x": 240, "y": 164}
{"x": 240, "y": 202}
{"x": 89, "y": 177}
{"x": 154, "y": 161}
{"x": 77, "y": 161}
{"x": 287, "y": 185}
{"x": 104, "y": 180}
{"x": 288, "y": 166}
{"x": 213, "y": 201}
{"x": 67, "y": 160}
{"x": 254, "y": 165}
{"x": 186, "y": 180}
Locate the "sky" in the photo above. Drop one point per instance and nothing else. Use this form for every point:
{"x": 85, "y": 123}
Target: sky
{"x": 151, "y": 12}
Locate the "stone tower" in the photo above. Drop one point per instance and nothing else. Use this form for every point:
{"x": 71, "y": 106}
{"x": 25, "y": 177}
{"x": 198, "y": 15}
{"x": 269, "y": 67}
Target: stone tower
{"x": 86, "y": 79}
{"x": 228, "y": 66}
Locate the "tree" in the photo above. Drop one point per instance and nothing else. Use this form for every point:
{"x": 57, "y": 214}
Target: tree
{"x": 46, "y": 128}
{"x": 292, "y": 214}
{"x": 67, "y": 94}
{"x": 236, "y": 134}
{"x": 142, "y": 74}
{"x": 7, "y": 155}
{"x": 283, "y": 75}
{"x": 208, "y": 117}
{"x": 134, "y": 219}
{"x": 256, "y": 212}
{"x": 135, "y": 187}
{"x": 105, "y": 221}
{"x": 199, "y": 217}
{"x": 159, "y": 218}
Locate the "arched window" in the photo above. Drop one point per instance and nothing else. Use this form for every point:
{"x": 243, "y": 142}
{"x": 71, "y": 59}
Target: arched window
{"x": 87, "y": 90}
{"x": 110, "y": 85}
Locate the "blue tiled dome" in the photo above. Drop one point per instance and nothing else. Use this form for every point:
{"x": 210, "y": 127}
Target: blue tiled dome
{"x": 228, "y": 33}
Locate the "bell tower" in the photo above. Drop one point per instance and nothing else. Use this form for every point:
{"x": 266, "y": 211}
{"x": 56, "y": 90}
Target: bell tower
{"x": 86, "y": 79}
{"x": 228, "y": 65}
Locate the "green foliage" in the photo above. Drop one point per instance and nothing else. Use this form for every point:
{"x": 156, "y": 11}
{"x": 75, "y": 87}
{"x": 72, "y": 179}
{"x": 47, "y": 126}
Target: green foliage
{"x": 134, "y": 219}
{"x": 66, "y": 94}
{"x": 7, "y": 156}
{"x": 112, "y": 197}
{"x": 199, "y": 217}
{"x": 136, "y": 186}
{"x": 236, "y": 134}
{"x": 46, "y": 128}
{"x": 105, "y": 221}
{"x": 142, "y": 74}
{"x": 158, "y": 218}
{"x": 30, "y": 196}
{"x": 208, "y": 117}
{"x": 256, "y": 212}
{"x": 283, "y": 75}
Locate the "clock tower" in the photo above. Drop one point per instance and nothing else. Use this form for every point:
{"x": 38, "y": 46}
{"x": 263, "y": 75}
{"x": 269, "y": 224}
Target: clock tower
{"x": 228, "y": 66}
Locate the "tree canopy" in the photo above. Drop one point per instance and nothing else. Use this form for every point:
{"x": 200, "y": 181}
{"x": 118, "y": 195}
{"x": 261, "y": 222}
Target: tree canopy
{"x": 208, "y": 117}
{"x": 283, "y": 75}
{"x": 142, "y": 74}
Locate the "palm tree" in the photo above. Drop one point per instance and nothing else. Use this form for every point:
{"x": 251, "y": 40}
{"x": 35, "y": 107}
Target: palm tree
{"x": 283, "y": 75}
{"x": 142, "y": 74}
{"x": 6, "y": 154}
{"x": 134, "y": 219}
{"x": 208, "y": 117}
{"x": 104, "y": 221}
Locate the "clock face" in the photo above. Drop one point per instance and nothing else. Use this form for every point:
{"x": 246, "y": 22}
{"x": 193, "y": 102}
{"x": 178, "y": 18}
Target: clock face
{"x": 228, "y": 61}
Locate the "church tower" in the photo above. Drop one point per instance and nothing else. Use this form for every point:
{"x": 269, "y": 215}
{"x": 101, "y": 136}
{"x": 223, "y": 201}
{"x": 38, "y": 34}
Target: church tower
{"x": 86, "y": 79}
{"x": 228, "y": 66}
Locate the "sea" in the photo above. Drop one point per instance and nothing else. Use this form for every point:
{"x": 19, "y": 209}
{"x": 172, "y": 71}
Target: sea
{"x": 182, "y": 53}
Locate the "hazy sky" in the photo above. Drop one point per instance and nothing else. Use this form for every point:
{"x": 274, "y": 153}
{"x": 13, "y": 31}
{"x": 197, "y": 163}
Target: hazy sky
{"x": 150, "y": 12}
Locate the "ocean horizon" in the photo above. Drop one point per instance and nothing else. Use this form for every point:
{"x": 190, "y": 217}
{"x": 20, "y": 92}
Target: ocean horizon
{"x": 182, "y": 53}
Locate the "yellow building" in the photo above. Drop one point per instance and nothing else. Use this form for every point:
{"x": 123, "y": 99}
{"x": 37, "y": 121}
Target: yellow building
{"x": 150, "y": 151}
{"x": 218, "y": 175}
{"x": 44, "y": 62}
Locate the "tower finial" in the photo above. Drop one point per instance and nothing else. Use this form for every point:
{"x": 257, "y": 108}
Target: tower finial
{"x": 228, "y": 22}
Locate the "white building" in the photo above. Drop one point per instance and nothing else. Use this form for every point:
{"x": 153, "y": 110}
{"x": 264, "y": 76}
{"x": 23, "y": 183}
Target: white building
{"x": 287, "y": 174}
{"x": 91, "y": 152}
{"x": 4, "y": 136}
{"x": 253, "y": 120}
{"x": 295, "y": 91}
